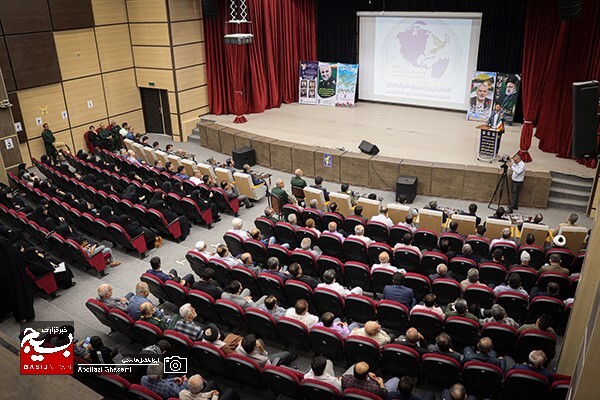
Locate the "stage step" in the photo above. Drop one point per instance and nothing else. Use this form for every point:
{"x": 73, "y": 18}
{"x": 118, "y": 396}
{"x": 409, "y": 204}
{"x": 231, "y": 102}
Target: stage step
{"x": 569, "y": 192}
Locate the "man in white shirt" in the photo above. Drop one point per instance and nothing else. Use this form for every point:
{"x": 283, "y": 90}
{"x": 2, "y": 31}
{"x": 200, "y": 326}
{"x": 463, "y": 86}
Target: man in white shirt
{"x": 407, "y": 243}
{"x": 383, "y": 218}
{"x": 201, "y": 247}
{"x": 300, "y": 312}
{"x": 124, "y": 129}
{"x": 332, "y": 229}
{"x": 330, "y": 283}
{"x": 236, "y": 227}
{"x": 505, "y": 238}
{"x": 197, "y": 178}
{"x": 384, "y": 264}
{"x": 518, "y": 176}
{"x": 429, "y": 305}
{"x": 409, "y": 223}
{"x": 322, "y": 370}
{"x": 359, "y": 233}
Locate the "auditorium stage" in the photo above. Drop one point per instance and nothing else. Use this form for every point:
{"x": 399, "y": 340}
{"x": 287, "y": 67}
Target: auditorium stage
{"x": 399, "y": 131}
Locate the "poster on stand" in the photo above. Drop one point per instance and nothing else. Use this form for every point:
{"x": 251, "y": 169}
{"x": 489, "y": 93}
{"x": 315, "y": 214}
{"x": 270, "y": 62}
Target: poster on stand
{"x": 346, "y": 85}
{"x": 327, "y": 84}
{"x": 309, "y": 71}
{"x": 481, "y": 96}
{"x": 506, "y": 93}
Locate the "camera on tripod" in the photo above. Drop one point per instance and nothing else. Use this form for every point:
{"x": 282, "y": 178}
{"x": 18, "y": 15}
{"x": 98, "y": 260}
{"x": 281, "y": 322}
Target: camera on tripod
{"x": 504, "y": 159}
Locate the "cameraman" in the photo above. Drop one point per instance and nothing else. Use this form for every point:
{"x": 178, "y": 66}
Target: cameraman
{"x": 518, "y": 176}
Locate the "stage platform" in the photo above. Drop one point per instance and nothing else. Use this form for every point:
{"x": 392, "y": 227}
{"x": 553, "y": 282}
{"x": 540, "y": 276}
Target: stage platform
{"x": 399, "y": 131}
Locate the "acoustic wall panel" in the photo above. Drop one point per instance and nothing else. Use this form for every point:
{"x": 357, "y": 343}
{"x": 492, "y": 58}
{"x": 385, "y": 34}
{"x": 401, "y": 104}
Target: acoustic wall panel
{"x": 17, "y": 116}
{"x": 34, "y": 59}
{"x": 122, "y": 94}
{"x": 193, "y": 99}
{"x": 134, "y": 118}
{"x": 77, "y": 53}
{"x": 109, "y": 12}
{"x": 36, "y": 146}
{"x": 175, "y": 124}
{"x": 152, "y": 57}
{"x": 7, "y": 72}
{"x": 150, "y": 34}
{"x": 147, "y": 10}
{"x": 15, "y": 20}
{"x": 191, "y": 77}
{"x": 114, "y": 47}
{"x": 71, "y": 14}
{"x": 187, "y": 32}
{"x": 189, "y": 119}
{"x": 25, "y": 153}
{"x": 155, "y": 78}
{"x": 189, "y": 54}
{"x": 84, "y": 103}
{"x": 184, "y": 10}
{"x": 46, "y": 103}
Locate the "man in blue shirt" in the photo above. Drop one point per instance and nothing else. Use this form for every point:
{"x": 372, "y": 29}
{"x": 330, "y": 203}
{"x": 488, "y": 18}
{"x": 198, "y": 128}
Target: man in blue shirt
{"x": 172, "y": 275}
{"x": 275, "y": 269}
{"x": 141, "y": 296}
{"x": 398, "y": 292}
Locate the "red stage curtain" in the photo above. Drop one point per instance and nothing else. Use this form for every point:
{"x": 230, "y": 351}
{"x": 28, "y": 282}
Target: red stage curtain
{"x": 556, "y": 54}
{"x": 284, "y": 34}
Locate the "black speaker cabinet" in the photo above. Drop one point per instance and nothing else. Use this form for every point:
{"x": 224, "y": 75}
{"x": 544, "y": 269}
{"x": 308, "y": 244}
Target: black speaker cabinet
{"x": 569, "y": 9}
{"x": 407, "y": 186}
{"x": 369, "y": 148}
{"x": 585, "y": 119}
{"x": 244, "y": 155}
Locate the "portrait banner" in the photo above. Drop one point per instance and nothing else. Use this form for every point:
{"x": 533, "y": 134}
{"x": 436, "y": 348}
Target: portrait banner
{"x": 307, "y": 89}
{"x": 481, "y": 96}
{"x": 327, "y": 84}
{"x": 506, "y": 93}
{"x": 346, "y": 85}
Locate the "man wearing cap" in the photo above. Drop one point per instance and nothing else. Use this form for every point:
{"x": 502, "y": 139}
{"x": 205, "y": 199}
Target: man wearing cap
{"x": 525, "y": 260}
{"x": 201, "y": 248}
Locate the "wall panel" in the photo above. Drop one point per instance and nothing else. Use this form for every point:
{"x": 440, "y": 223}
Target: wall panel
{"x": 109, "y": 12}
{"x": 36, "y": 146}
{"x": 35, "y": 19}
{"x": 189, "y": 120}
{"x": 150, "y": 34}
{"x": 188, "y": 78}
{"x": 152, "y": 57}
{"x": 71, "y": 14}
{"x": 190, "y": 54}
{"x": 134, "y": 118}
{"x": 193, "y": 99}
{"x": 25, "y": 153}
{"x": 187, "y": 32}
{"x": 7, "y": 72}
{"x": 114, "y": 47}
{"x": 45, "y": 102}
{"x": 77, "y": 93}
{"x": 175, "y": 124}
{"x": 162, "y": 79}
{"x": 17, "y": 116}
{"x": 77, "y": 54}
{"x": 183, "y": 10}
{"x": 122, "y": 93}
{"x": 147, "y": 10}
{"x": 26, "y": 53}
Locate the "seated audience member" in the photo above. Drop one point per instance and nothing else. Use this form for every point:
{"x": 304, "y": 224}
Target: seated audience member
{"x": 414, "y": 340}
{"x": 499, "y": 316}
{"x": 345, "y": 189}
{"x": 297, "y": 180}
{"x": 512, "y": 286}
{"x": 372, "y": 330}
{"x": 255, "y": 350}
{"x": 295, "y": 271}
{"x": 407, "y": 243}
{"x": 332, "y": 229}
{"x": 498, "y": 256}
{"x": 571, "y": 221}
{"x": 269, "y": 214}
{"x": 535, "y": 363}
{"x": 321, "y": 369}
{"x": 505, "y": 239}
{"x": 525, "y": 258}
{"x": 256, "y": 234}
{"x": 329, "y": 282}
{"x": 314, "y": 206}
{"x": 98, "y": 353}
{"x": 473, "y": 212}
{"x": 329, "y": 321}
{"x": 530, "y": 239}
{"x": 196, "y": 179}
{"x": 467, "y": 252}
{"x": 554, "y": 266}
{"x": 196, "y": 390}
{"x": 456, "y": 392}
{"x": 383, "y": 218}
{"x": 453, "y": 227}
{"x": 232, "y": 195}
{"x": 155, "y": 146}
{"x": 272, "y": 307}
{"x": 429, "y": 305}
{"x": 186, "y": 324}
{"x": 552, "y": 290}
{"x": 248, "y": 262}
{"x": 358, "y": 210}
{"x": 236, "y": 227}
{"x": 280, "y": 192}
{"x": 240, "y": 296}
{"x": 402, "y": 389}
{"x": 300, "y": 312}
{"x": 224, "y": 254}
{"x": 273, "y": 268}
{"x": 409, "y": 222}
{"x": 201, "y": 247}
{"x": 359, "y": 233}
{"x": 38, "y": 265}
{"x": 359, "y": 377}
{"x": 165, "y": 388}
{"x": 499, "y": 214}
{"x": 105, "y": 292}
{"x": 480, "y": 232}
{"x": 441, "y": 271}
{"x": 397, "y": 291}
{"x": 460, "y": 309}
{"x": 181, "y": 173}
{"x": 208, "y": 284}
{"x": 319, "y": 185}
{"x": 229, "y": 164}
{"x": 443, "y": 344}
{"x": 306, "y": 244}
{"x": 148, "y": 315}
{"x": 543, "y": 323}
{"x": 433, "y": 205}
{"x": 485, "y": 353}
{"x": 141, "y": 296}
{"x": 255, "y": 180}
{"x": 472, "y": 279}
{"x": 292, "y": 219}
{"x": 310, "y": 225}
{"x": 155, "y": 270}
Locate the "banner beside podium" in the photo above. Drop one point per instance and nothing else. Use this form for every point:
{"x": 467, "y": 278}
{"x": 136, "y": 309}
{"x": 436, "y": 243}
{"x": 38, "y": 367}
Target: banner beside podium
{"x": 327, "y": 84}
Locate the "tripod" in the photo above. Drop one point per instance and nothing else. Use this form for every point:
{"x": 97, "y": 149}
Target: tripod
{"x": 500, "y": 186}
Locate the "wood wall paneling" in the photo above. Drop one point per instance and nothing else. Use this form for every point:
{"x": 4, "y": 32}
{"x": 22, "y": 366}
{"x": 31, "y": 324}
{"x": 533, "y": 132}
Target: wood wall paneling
{"x": 162, "y": 78}
{"x": 191, "y": 77}
{"x": 25, "y": 153}
{"x": 109, "y": 12}
{"x": 11, "y": 157}
{"x": 122, "y": 93}
{"x": 25, "y": 16}
{"x": 78, "y": 134}
{"x": 187, "y": 32}
{"x": 7, "y": 72}
{"x": 150, "y": 34}
{"x": 147, "y": 10}
{"x": 36, "y": 146}
{"x": 172, "y": 101}
{"x": 193, "y": 99}
{"x": 134, "y": 118}
{"x": 152, "y": 57}
{"x": 45, "y": 102}
{"x": 189, "y": 54}
{"x": 183, "y": 10}
{"x": 17, "y": 116}
{"x": 77, "y": 53}
{"x": 189, "y": 120}
{"x": 114, "y": 47}
{"x": 71, "y": 14}
{"x": 175, "y": 124}
{"x": 78, "y": 92}
{"x": 34, "y": 59}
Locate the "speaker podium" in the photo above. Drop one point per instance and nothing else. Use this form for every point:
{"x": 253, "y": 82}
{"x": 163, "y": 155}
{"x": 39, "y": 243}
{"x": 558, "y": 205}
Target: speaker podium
{"x": 489, "y": 142}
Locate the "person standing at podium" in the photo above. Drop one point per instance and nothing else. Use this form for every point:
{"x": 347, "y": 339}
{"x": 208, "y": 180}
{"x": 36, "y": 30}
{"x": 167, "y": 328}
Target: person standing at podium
{"x": 496, "y": 121}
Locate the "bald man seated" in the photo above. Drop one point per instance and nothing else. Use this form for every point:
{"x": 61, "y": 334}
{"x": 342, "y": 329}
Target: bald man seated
{"x": 372, "y": 330}
{"x": 414, "y": 340}
{"x": 359, "y": 377}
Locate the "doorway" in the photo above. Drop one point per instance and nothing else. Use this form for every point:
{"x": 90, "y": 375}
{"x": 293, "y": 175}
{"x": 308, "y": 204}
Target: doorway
{"x": 157, "y": 115}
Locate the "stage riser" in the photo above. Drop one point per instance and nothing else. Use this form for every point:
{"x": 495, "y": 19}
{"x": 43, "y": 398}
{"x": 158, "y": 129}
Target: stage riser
{"x": 475, "y": 183}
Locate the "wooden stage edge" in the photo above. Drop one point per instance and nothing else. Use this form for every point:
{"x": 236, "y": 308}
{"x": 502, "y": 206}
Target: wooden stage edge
{"x": 436, "y": 179}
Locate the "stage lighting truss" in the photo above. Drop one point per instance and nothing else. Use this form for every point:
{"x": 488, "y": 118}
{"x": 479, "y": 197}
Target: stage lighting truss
{"x": 238, "y": 30}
